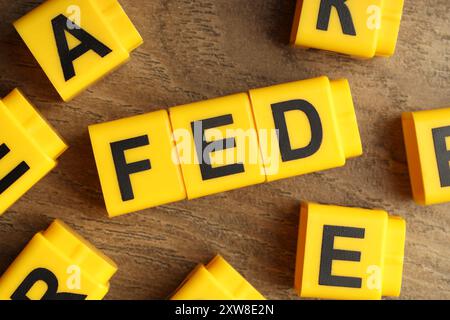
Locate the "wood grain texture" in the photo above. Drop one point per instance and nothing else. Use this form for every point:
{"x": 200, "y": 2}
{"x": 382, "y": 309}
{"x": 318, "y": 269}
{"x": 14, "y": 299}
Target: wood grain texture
{"x": 199, "y": 49}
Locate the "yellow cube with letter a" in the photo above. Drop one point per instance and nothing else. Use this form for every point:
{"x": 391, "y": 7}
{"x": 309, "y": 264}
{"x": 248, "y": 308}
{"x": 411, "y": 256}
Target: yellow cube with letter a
{"x": 427, "y": 140}
{"x": 361, "y": 28}
{"x": 137, "y": 162}
{"x": 217, "y": 144}
{"x": 57, "y": 264}
{"x": 216, "y": 281}
{"x": 305, "y": 126}
{"x": 77, "y": 42}
{"x": 29, "y": 147}
{"x": 349, "y": 253}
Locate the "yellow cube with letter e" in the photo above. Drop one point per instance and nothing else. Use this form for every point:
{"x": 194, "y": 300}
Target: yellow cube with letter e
{"x": 57, "y": 264}
{"x": 361, "y": 28}
{"x": 29, "y": 148}
{"x": 217, "y": 144}
{"x": 349, "y": 253}
{"x": 77, "y": 42}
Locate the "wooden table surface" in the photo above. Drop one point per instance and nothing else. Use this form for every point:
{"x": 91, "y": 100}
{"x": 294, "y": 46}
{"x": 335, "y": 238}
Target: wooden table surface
{"x": 200, "y": 49}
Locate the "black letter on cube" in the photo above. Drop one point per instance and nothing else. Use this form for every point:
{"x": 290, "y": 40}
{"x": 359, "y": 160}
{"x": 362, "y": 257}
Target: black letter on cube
{"x": 124, "y": 169}
{"x": 15, "y": 174}
{"x": 66, "y": 55}
{"x": 344, "y": 16}
{"x": 50, "y": 280}
{"x": 329, "y": 254}
{"x": 207, "y": 171}
{"x": 442, "y": 154}
{"x": 279, "y": 116}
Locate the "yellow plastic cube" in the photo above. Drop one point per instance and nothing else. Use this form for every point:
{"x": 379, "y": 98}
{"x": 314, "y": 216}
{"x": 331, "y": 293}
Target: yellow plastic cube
{"x": 57, "y": 264}
{"x": 349, "y": 253}
{"x": 29, "y": 147}
{"x": 137, "y": 162}
{"x": 77, "y": 42}
{"x": 305, "y": 126}
{"x": 361, "y": 28}
{"x": 427, "y": 140}
{"x": 217, "y": 145}
{"x": 217, "y": 281}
